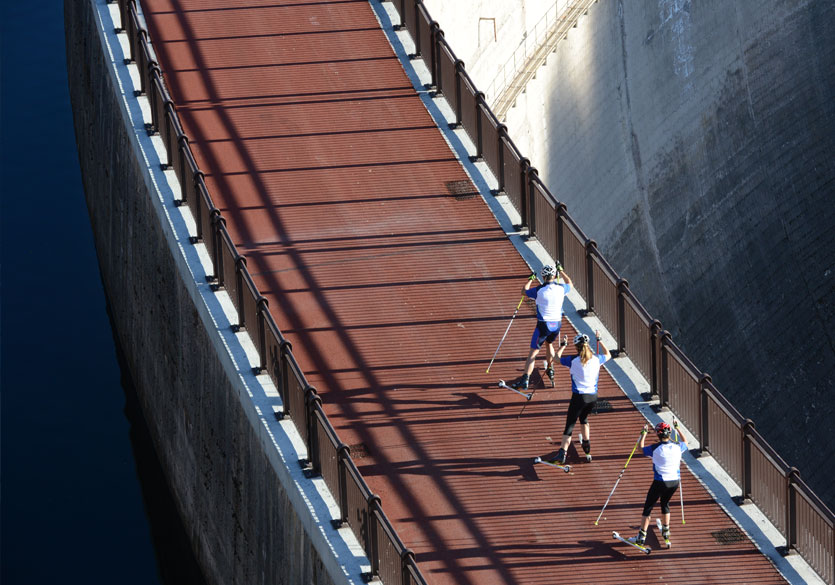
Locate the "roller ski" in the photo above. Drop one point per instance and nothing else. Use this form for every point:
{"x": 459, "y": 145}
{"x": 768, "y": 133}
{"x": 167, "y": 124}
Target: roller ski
{"x": 555, "y": 463}
{"x": 520, "y": 386}
{"x": 665, "y": 533}
{"x": 633, "y": 541}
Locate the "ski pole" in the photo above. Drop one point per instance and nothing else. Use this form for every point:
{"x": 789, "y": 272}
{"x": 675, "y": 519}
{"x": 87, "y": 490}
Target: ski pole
{"x": 681, "y": 479}
{"x": 620, "y": 475}
{"x": 508, "y": 328}
{"x": 526, "y": 403}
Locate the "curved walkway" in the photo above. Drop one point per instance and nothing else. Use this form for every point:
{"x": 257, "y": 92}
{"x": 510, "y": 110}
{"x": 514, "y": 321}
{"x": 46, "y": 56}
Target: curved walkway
{"x": 392, "y": 279}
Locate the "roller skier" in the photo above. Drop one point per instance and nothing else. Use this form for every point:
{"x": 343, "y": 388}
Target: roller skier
{"x": 549, "y": 297}
{"x": 666, "y": 467}
{"x": 585, "y": 372}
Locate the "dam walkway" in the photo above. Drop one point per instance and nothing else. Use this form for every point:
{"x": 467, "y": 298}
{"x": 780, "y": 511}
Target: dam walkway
{"x": 389, "y": 274}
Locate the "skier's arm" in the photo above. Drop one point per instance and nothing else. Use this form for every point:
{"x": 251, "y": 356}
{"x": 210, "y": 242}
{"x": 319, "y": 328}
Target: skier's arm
{"x": 563, "y": 345}
{"x": 681, "y": 438}
{"x": 561, "y": 273}
{"x": 529, "y": 283}
{"x": 603, "y": 347}
{"x": 643, "y": 436}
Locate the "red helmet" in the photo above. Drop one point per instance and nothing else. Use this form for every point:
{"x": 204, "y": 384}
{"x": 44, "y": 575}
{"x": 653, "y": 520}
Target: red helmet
{"x": 664, "y": 430}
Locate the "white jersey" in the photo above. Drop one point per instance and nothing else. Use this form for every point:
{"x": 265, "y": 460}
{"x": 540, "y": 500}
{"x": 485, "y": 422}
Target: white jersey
{"x": 584, "y": 377}
{"x": 549, "y": 298}
{"x": 666, "y": 459}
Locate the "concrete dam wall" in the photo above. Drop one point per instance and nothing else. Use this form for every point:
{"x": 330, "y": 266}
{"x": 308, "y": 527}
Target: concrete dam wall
{"x": 225, "y": 458}
{"x": 695, "y": 141}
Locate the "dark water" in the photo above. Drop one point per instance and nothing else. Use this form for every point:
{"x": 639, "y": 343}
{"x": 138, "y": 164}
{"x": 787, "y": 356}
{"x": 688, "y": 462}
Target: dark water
{"x": 76, "y": 459}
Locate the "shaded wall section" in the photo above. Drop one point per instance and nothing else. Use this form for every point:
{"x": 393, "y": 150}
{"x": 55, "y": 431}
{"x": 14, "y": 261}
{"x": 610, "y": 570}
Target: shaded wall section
{"x": 694, "y": 141}
{"x": 230, "y": 485}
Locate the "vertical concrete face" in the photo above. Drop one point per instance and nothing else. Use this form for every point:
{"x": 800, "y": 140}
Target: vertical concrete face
{"x": 220, "y": 463}
{"x": 694, "y": 141}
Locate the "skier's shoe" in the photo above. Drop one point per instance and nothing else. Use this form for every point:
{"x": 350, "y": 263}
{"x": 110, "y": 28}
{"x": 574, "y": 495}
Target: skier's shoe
{"x": 665, "y": 534}
{"x": 549, "y": 371}
{"x": 521, "y": 384}
{"x": 587, "y": 449}
{"x": 560, "y": 457}
{"x": 639, "y": 539}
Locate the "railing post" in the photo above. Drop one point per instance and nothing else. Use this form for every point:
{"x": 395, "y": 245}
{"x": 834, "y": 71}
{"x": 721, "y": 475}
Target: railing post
{"x": 655, "y": 329}
{"x": 311, "y": 398}
{"x": 417, "y": 31}
{"x": 664, "y": 401}
{"x": 217, "y": 260}
{"x": 434, "y": 33}
{"x": 240, "y": 266}
{"x": 591, "y": 248}
{"x": 285, "y": 348}
{"x": 261, "y": 307}
{"x": 406, "y": 556}
{"x": 459, "y": 117}
{"x": 623, "y": 286}
{"x": 704, "y": 420}
{"x": 479, "y": 131}
{"x": 560, "y": 212}
{"x": 501, "y": 133}
{"x": 747, "y": 479}
{"x": 791, "y": 512}
{"x": 373, "y": 551}
{"x": 525, "y": 169}
{"x": 343, "y": 452}
{"x": 402, "y": 15}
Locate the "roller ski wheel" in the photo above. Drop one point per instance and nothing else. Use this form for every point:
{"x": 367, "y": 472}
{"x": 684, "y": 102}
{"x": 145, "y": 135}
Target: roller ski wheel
{"x": 631, "y": 542}
{"x": 565, "y": 468}
{"x": 527, "y": 395}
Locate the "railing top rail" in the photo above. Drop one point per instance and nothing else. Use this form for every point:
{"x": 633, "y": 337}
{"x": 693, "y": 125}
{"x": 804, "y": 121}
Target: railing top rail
{"x": 385, "y": 523}
{"x": 604, "y": 265}
{"x": 574, "y": 228}
{"x": 768, "y": 451}
{"x": 639, "y": 308}
{"x": 330, "y": 432}
{"x": 549, "y": 197}
{"x": 807, "y": 494}
{"x": 359, "y": 480}
{"x": 723, "y": 403}
{"x": 682, "y": 359}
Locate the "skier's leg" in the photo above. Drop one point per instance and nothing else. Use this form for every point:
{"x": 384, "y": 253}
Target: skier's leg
{"x": 531, "y": 361}
{"x": 574, "y": 408}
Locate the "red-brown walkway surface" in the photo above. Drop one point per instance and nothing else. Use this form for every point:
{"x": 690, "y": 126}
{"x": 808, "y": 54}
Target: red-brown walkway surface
{"x": 335, "y": 184}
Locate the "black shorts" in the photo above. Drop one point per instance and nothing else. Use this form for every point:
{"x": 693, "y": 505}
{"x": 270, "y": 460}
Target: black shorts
{"x": 580, "y": 407}
{"x": 660, "y": 489}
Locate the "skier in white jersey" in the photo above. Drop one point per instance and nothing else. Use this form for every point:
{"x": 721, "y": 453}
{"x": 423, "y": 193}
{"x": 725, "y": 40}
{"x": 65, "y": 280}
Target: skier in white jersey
{"x": 666, "y": 463}
{"x": 549, "y": 297}
{"x": 585, "y": 372}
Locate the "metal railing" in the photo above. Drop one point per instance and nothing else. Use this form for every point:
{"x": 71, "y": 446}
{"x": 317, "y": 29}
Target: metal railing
{"x": 328, "y": 457}
{"x": 764, "y": 478}
{"x": 532, "y": 53}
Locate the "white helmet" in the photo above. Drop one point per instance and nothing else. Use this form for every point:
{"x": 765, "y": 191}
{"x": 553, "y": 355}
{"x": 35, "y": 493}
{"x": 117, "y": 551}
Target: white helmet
{"x": 581, "y": 339}
{"x": 548, "y": 271}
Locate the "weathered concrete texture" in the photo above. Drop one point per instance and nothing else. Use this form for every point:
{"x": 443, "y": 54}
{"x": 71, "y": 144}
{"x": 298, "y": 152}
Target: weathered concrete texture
{"x": 694, "y": 141}
{"x": 221, "y": 468}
